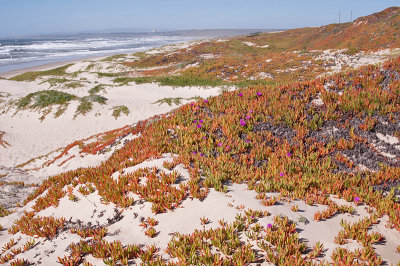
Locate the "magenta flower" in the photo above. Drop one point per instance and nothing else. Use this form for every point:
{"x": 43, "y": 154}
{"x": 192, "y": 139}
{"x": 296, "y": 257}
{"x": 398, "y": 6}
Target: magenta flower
{"x": 204, "y": 137}
{"x": 281, "y": 174}
{"x": 289, "y": 154}
{"x": 195, "y": 121}
{"x": 250, "y": 111}
{"x": 357, "y": 199}
{"x": 242, "y": 122}
{"x": 247, "y": 141}
{"x": 191, "y": 104}
{"x": 269, "y": 225}
{"x": 248, "y": 117}
{"x": 259, "y": 93}
{"x": 205, "y": 101}
{"x": 199, "y": 125}
{"x": 194, "y": 152}
{"x": 219, "y": 144}
{"x": 201, "y": 154}
{"x": 201, "y": 121}
{"x": 240, "y": 94}
{"x": 227, "y": 147}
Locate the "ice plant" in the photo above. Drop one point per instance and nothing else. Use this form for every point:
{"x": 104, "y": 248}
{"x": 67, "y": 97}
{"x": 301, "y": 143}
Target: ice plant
{"x": 242, "y": 122}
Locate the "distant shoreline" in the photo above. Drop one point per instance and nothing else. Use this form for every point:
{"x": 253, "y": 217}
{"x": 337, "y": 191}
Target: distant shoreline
{"x": 12, "y": 73}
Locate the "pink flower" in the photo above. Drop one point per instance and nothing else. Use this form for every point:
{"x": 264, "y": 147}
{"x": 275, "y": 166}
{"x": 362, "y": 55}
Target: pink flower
{"x": 269, "y": 225}
{"x": 242, "y": 122}
{"x": 259, "y": 93}
{"x": 194, "y": 152}
{"x": 248, "y": 117}
{"x": 219, "y": 144}
{"x": 247, "y": 141}
{"x": 240, "y": 94}
{"x": 205, "y": 101}
{"x": 199, "y": 125}
{"x": 281, "y": 174}
{"x": 191, "y": 104}
{"x": 357, "y": 199}
{"x": 195, "y": 121}
{"x": 201, "y": 154}
{"x": 227, "y": 147}
{"x": 289, "y": 154}
{"x": 201, "y": 121}
{"x": 204, "y": 137}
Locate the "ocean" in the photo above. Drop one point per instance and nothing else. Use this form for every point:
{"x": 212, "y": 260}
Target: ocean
{"x": 29, "y": 52}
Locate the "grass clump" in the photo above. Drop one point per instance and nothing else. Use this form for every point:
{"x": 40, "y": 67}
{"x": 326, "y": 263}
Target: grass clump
{"x": 96, "y": 89}
{"x": 42, "y": 99}
{"x": 95, "y": 98}
{"x": 73, "y": 85}
{"x": 109, "y": 75}
{"x": 84, "y": 107}
{"x": 174, "y": 81}
{"x": 117, "y": 110}
{"x": 31, "y": 76}
{"x": 176, "y": 100}
{"x": 86, "y": 104}
{"x": 182, "y": 81}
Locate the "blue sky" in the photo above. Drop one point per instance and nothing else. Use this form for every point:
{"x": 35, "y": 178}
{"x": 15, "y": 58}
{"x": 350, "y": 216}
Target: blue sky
{"x": 25, "y": 17}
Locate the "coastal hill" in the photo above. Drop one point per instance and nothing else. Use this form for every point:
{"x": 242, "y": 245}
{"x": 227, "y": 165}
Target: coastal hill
{"x": 377, "y": 31}
{"x": 289, "y": 157}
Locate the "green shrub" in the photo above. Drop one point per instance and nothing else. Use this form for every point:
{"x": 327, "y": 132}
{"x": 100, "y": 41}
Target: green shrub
{"x": 95, "y": 98}
{"x": 44, "y": 98}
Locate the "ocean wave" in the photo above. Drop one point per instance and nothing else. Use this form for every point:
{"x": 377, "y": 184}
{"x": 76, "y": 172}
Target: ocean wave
{"x": 17, "y": 54}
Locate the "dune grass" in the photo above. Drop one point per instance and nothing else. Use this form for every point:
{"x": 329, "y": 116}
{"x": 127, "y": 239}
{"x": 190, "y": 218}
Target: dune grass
{"x": 176, "y": 100}
{"x": 120, "y": 109}
{"x": 96, "y": 89}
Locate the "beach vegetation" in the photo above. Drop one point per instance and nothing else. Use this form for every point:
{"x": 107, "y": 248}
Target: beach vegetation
{"x": 86, "y": 103}
{"x": 97, "y": 89}
{"x": 118, "y": 110}
{"x": 45, "y": 98}
{"x": 110, "y": 75}
{"x": 175, "y": 100}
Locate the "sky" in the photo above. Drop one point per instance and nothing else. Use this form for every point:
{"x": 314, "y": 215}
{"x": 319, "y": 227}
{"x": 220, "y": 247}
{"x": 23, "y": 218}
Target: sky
{"x": 33, "y": 17}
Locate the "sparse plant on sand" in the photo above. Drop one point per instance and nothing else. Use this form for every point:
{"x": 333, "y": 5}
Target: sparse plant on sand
{"x": 117, "y": 110}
